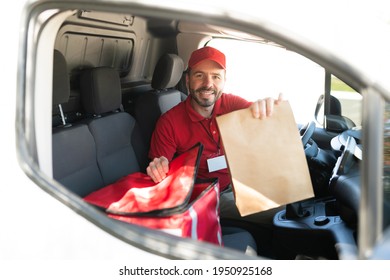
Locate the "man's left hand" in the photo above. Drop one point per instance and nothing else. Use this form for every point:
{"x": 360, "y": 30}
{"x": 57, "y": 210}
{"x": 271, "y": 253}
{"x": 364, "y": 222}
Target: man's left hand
{"x": 263, "y": 108}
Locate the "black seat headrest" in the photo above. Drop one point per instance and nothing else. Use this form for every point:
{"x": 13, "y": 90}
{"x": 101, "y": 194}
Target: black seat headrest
{"x": 335, "y": 106}
{"x": 168, "y": 72}
{"x": 100, "y": 90}
{"x": 61, "y": 81}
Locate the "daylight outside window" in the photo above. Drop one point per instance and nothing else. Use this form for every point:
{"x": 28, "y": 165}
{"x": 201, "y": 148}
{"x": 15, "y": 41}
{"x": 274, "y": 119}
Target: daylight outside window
{"x": 351, "y": 101}
{"x": 260, "y": 70}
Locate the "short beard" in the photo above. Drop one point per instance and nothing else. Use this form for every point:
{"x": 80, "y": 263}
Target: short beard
{"x": 200, "y": 102}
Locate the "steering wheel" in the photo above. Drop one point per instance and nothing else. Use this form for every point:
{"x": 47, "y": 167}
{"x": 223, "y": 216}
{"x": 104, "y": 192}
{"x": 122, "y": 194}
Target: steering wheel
{"x": 307, "y": 131}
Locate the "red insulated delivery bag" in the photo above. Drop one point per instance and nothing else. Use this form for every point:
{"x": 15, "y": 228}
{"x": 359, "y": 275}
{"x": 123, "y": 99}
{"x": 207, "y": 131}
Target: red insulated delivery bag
{"x": 179, "y": 204}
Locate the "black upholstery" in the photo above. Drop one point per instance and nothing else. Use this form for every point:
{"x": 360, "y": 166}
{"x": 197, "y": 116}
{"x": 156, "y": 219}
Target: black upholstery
{"x": 61, "y": 83}
{"x": 64, "y": 94}
{"x": 152, "y": 104}
{"x": 167, "y": 72}
{"x": 119, "y": 145}
{"x": 73, "y": 147}
{"x": 100, "y": 90}
{"x": 335, "y": 106}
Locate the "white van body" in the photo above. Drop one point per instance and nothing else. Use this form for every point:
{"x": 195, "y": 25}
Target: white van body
{"x": 40, "y": 225}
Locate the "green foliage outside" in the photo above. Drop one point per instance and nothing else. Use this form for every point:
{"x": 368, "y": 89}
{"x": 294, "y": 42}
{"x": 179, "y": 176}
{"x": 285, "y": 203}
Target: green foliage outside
{"x": 339, "y": 85}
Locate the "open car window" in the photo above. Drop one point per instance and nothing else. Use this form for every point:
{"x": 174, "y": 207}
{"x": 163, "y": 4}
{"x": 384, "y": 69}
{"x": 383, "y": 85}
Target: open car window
{"x": 265, "y": 69}
{"x": 350, "y": 100}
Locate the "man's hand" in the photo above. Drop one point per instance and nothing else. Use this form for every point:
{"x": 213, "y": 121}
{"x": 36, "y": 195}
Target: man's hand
{"x": 264, "y": 107}
{"x": 158, "y": 169}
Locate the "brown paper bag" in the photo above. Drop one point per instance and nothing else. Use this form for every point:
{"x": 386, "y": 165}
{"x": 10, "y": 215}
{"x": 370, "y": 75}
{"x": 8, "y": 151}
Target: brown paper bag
{"x": 266, "y": 159}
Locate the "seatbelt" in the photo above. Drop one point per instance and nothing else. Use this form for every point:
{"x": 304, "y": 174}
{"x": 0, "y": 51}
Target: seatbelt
{"x": 62, "y": 115}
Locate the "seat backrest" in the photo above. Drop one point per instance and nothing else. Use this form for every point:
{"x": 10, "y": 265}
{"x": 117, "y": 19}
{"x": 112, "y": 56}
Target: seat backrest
{"x": 152, "y": 104}
{"x": 119, "y": 145}
{"x": 73, "y": 147}
{"x": 74, "y": 159}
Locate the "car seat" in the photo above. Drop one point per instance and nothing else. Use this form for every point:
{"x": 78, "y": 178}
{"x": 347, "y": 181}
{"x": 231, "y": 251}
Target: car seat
{"x": 152, "y": 104}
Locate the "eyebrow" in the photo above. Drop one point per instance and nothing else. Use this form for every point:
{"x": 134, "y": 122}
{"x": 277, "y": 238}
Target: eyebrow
{"x": 203, "y": 72}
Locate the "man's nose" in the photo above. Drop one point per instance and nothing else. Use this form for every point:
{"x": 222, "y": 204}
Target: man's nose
{"x": 207, "y": 81}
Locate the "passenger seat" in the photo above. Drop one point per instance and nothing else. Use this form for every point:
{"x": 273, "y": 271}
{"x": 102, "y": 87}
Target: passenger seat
{"x": 152, "y": 104}
{"x": 120, "y": 147}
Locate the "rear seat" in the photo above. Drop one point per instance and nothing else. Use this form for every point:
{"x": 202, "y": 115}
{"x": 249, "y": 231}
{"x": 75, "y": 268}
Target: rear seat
{"x": 121, "y": 149}
{"x": 73, "y": 146}
{"x": 94, "y": 152}
{"x": 107, "y": 145}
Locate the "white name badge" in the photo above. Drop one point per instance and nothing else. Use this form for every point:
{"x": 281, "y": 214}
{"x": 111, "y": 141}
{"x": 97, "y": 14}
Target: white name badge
{"x": 217, "y": 163}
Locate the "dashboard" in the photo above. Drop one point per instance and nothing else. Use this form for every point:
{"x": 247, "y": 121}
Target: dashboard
{"x": 331, "y": 218}
{"x": 344, "y": 184}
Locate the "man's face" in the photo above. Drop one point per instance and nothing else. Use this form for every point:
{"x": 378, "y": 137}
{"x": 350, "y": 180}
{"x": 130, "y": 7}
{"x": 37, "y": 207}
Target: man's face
{"x": 205, "y": 82}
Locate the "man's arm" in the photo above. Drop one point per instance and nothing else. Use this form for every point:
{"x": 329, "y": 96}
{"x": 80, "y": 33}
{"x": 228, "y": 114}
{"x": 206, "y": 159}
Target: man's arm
{"x": 162, "y": 149}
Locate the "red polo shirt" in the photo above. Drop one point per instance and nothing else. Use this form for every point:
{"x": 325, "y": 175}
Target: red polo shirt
{"x": 182, "y": 127}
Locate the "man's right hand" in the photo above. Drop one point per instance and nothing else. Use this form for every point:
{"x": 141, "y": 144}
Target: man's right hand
{"x": 158, "y": 169}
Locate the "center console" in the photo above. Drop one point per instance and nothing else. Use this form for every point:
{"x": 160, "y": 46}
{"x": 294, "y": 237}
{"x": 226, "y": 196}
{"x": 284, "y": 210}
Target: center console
{"x": 324, "y": 227}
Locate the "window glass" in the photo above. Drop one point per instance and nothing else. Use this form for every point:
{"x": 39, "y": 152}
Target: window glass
{"x": 350, "y": 100}
{"x": 257, "y": 70}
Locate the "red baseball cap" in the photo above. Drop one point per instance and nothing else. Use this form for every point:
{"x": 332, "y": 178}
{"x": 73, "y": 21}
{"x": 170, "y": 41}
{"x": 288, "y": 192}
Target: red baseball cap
{"x": 207, "y": 53}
